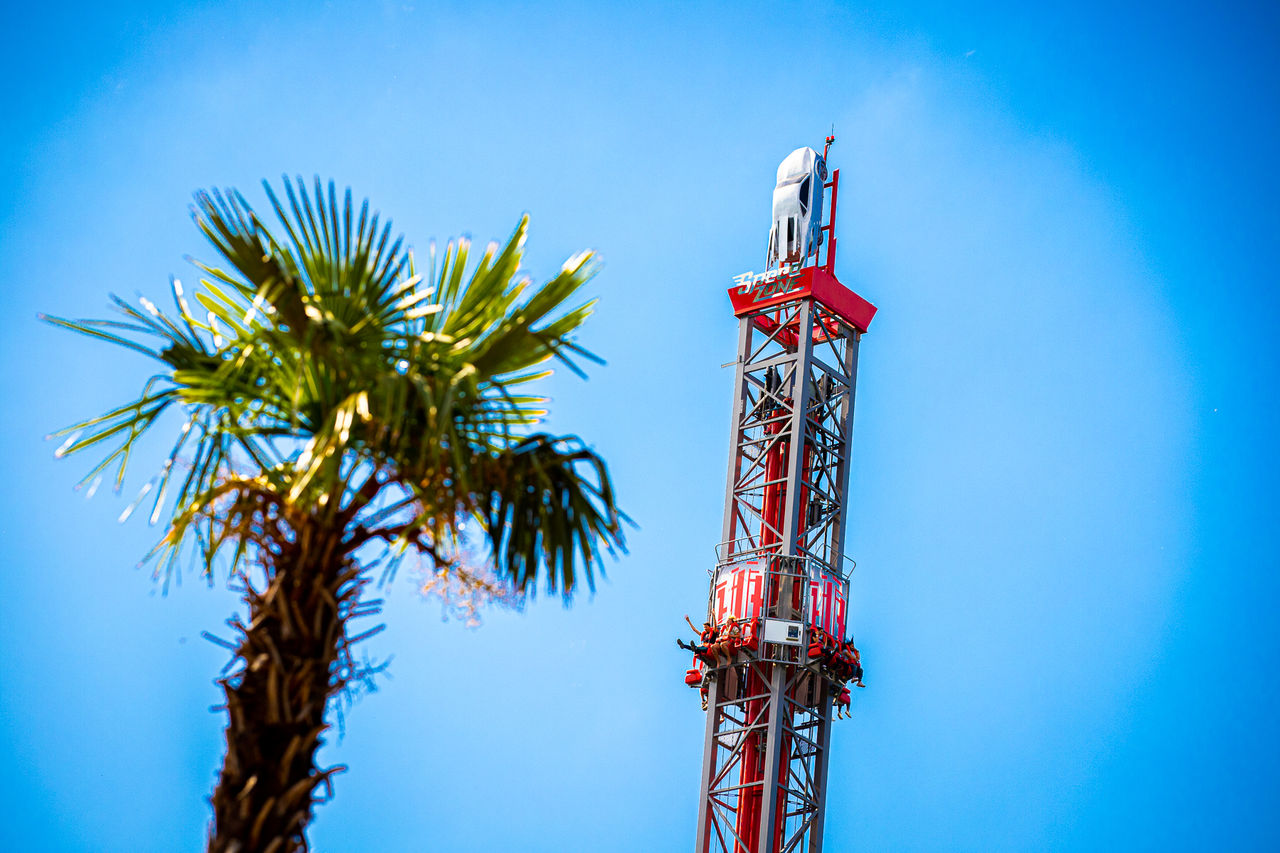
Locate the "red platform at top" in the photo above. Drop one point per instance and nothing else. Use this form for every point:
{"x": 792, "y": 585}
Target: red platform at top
{"x": 815, "y": 282}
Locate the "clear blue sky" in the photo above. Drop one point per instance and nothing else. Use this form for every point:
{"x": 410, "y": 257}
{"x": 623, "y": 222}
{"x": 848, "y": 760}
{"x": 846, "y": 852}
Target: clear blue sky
{"x": 1064, "y": 500}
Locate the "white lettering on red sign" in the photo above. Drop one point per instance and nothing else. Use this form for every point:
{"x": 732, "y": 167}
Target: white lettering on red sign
{"x": 767, "y": 283}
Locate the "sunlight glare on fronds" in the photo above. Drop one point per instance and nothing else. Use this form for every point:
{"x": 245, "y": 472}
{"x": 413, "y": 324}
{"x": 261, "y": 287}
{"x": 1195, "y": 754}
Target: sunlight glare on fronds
{"x": 66, "y": 445}
{"x": 575, "y": 262}
{"x": 128, "y": 511}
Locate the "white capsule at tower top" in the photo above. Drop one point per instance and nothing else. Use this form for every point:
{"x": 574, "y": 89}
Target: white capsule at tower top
{"x": 796, "y": 232}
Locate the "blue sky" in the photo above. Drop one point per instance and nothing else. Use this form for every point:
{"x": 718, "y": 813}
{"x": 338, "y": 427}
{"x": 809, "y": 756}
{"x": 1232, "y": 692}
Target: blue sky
{"x": 1063, "y": 494}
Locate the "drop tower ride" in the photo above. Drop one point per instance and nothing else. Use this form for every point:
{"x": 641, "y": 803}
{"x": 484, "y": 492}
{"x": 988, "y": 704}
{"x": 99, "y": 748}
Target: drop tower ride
{"x": 773, "y": 663}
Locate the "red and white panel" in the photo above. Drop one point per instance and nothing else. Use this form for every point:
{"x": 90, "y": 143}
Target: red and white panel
{"x": 739, "y": 593}
{"x": 827, "y": 605}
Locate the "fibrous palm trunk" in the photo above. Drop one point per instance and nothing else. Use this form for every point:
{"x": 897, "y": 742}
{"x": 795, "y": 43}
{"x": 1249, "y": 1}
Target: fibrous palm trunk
{"x": 294, "y": 659}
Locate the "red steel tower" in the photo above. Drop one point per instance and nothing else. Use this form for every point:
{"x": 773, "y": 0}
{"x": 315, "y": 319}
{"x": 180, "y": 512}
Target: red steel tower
{"x": 773, "y": 661}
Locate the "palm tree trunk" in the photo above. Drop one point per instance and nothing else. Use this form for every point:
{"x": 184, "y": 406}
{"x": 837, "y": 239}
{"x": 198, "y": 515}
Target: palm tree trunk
{"x": 291, "y": 650}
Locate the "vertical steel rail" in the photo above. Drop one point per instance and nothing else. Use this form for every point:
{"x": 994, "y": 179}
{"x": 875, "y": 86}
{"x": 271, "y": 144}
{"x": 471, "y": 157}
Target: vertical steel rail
{"x": 850, "y": 367}
{"x": 821, "y": 759}
{"x": 708, "y": 766}
{"x": 735, "y": 431}
{"x": 774, "y": 763}
{"x": 728, "y": 535}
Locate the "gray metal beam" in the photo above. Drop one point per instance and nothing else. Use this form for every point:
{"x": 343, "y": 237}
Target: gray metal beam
{"x": 739, "y": 401}
{"x": 772, "y": 758}
{"x": 822, "y": 759}
{"x": 846, "y": 431}
{"x": 708, "y": 765}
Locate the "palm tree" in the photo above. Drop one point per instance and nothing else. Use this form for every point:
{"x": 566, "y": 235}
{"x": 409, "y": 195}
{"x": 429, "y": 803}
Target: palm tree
{"x": 341, "y": 411}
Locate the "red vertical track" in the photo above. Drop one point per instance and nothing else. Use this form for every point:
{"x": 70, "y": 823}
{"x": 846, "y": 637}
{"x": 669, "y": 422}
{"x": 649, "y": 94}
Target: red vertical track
{"x": 754, "y": 785}
{"x": 773, "y": 510}
{"x": 830, "y": 227}
{"x": 799, "y": 588}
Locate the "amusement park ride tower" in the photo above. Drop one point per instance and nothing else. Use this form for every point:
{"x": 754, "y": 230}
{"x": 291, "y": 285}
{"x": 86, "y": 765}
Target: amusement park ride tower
{"x": 773, "y": 662}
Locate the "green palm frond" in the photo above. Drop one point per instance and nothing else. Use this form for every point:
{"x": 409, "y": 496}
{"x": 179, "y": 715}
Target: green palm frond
{"x": 312, "y": 364}
{"x": 543, "y": 513}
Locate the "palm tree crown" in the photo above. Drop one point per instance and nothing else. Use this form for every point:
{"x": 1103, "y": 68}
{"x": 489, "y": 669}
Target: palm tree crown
{"x": 326, "y": 371}
{"x": 336, "y": 400}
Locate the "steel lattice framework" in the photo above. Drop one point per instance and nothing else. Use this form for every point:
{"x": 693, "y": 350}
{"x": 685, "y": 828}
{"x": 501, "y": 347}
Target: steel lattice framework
{"x": 781, "y": 559}
{"x": 792, "y": 390}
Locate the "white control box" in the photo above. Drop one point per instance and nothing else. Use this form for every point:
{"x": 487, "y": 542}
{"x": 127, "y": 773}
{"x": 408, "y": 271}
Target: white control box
{"x": 783, "y": 631}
